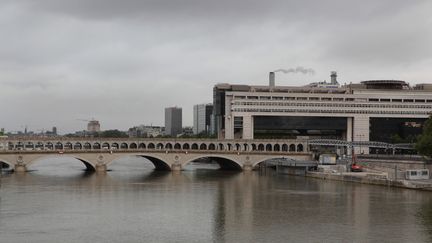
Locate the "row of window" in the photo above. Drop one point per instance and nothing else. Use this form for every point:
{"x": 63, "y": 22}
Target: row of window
{"x": 332, "y": 105}
{"x": 329, "y": 111}
{"x": 333, "y": 99}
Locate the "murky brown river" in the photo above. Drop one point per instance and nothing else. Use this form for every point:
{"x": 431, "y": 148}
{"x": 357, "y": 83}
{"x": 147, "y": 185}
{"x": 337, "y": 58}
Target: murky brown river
{"x": 58, "y": 202}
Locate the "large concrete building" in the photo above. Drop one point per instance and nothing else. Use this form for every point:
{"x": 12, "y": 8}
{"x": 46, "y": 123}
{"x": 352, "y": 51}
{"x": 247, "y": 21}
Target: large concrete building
{"x": 93, "y": 126}
{"x": 173, "y": 121}
{"x": 202, "y": 114}
{"x": 374, "y": 110}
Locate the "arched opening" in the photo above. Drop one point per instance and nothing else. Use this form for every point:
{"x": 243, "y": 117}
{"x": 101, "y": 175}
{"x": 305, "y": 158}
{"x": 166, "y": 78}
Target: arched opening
{"x": 59, "y": 146}
{"x": 151, "y": 146}
{"x": 159, "y": 146}
{"x": 203, "y": 146}
{"x": 115, "y": 146}
{"x": 292, "y": 148}
{"x": 158, "y": 163}
{"x": 68, "y": 146}
{"x": 254, "y": 147}
{"x": 55, "y": 164}
{"x": 237, "y": 147}
{"x": 49, "y": 146}
{"x": 260, "y": 147}
{"x": 245, "y": 147}
{"x": 19, "y": 146}
{"x": 194, "y": 146}
{"x": 177, "y": 146}
{"x": 212, "y": 146}
{"x": 124, "y": 146}
{"x": 285, "y": 147}
{"x": 223, "y": 163}
{"x": 186, "y": 146}
{"x": 221, "y": 146}
{"x": 77, "y": 146}
{"x": 229, "y": 147}
{"x": 272, "y": 161}
{"x": 39, "y": 146}
{"x": 168, "y": 146}
{"x": 276, "y": 148}
{"x": 142, "y": 146}
{"x": 87, "y": 146}
{"x": 300, "y": 147}
{"x": 106, "y": 146}
{"x": 11, "y": 146}
{"x": 96, "y": 146}
{"x": 133, "y": 146}
{"x": 268, "y": 147}
{"x": 29, "y": 146}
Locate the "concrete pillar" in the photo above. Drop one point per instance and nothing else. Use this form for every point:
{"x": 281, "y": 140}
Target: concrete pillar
{"x": 361, "y": 133}
{"x": 20, "y": 168}
{"x": 229, "y": 127}
{"x": 248, "y": 127}
{"x": 349, "y": 132}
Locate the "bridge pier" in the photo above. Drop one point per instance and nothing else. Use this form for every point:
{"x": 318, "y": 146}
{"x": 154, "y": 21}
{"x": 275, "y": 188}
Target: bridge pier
{"x": 20, "y": 168}
{"x": 101, "y": 168}
{"x": 247, "y": 167}
{"x": 176, "y": 167}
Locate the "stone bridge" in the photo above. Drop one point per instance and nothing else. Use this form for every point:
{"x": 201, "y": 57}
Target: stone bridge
{"x": 165, "y": 154}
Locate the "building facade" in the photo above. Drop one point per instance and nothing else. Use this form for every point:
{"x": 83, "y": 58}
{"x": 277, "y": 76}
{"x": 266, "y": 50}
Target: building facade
{"x": 370, "y": 110}
{"x": 173, "y": 121}
{"x": 93, "y": 126}
{"x": 202, "y": 114}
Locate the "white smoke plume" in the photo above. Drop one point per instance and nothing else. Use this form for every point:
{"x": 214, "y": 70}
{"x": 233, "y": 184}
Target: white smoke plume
{"x": 297, "y": 70}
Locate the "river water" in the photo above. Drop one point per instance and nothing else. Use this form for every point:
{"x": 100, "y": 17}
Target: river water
{"x": 58, "y": 202}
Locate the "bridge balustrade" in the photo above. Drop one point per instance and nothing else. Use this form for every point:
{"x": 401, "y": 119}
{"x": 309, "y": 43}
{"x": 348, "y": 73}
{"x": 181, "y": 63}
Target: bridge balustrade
{"x": 276, "y": 146}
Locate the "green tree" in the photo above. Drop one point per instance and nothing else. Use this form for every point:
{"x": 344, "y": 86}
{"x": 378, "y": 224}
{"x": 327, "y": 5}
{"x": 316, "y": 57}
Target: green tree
{"x": 424, "y": 143}
{"x": 112, "y": 134}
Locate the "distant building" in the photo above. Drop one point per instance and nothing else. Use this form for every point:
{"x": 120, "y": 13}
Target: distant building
{"x": 202, "y": 114}
{"x": 173, "y": 121}
{"x": 187, "y": 131}
{"x": 93, "y": 126}
{"x": 143, "y": 131}
{"x": 54, "y": 130}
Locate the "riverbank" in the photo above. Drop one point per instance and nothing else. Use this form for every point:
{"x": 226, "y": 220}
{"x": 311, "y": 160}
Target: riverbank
{"x": 372, "y": 178}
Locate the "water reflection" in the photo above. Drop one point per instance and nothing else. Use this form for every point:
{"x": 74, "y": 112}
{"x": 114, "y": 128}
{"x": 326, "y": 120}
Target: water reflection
{"x": 134, "y": 203}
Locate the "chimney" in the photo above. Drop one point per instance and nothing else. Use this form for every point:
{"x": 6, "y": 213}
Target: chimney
{"x": 333, "y": 76}
{"x": 271, "y": 79}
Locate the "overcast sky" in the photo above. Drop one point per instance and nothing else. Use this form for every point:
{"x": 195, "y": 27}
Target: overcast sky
{"x": 123, "y": 61}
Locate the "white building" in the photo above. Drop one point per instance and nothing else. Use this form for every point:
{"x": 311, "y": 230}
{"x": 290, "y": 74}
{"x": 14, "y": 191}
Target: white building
{"x": 354, "y": 112}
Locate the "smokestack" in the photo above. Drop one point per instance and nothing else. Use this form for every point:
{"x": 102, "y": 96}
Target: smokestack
{"x": 333, "y": 76}
{"x": 271, "y": 79}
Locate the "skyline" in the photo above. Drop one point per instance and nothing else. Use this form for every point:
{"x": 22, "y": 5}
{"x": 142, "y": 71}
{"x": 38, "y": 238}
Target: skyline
{"x": 123, "y": 63}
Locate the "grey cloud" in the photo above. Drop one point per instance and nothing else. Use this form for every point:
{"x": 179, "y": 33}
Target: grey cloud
{"x": 124, "y": 61}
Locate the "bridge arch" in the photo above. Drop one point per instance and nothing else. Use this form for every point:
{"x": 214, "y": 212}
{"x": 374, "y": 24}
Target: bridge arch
{"x": 194, "y": 146}
{"x": 159, "y": 146}
{"x": 151, "y": 146}
{"x": 68, "y": 146}
{"x": 284, "y": 147}
{"x": 203, "y": 146}
{"x": 6, "y": 162}
{"x": 96, "y": 146}
{"x": 292, "y": 148}
{"x": 124, "y": 146}
{"x": 158, "y": 162}
{"x": 269, "y": 147}
{"x": 133, "y": 146}
{"x": 89, "y": 166}
{"x": 300, "y": 147}
{"x": 87, "y": 146}
{"x": 168, "y": 146}
{"x": 177, "y": 146}
{"x": 276, "y": 147}
{"x": 77, "y": 146}
{"x": 115, "y": 146}
{"x": 142, "y": 146}
{"x": 212, "y": 146}
{"x": 186, "y": 146}
{"x": 225, "y": 163}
